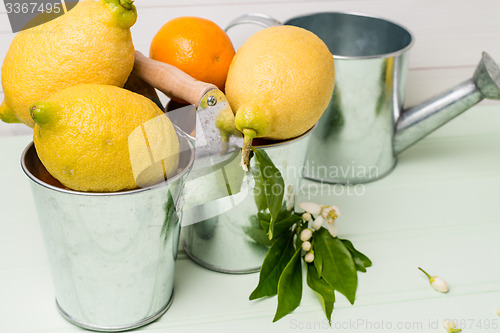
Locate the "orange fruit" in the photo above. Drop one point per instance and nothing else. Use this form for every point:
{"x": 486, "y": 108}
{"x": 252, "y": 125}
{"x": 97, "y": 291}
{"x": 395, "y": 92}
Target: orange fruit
{"x": 195, "y": 45}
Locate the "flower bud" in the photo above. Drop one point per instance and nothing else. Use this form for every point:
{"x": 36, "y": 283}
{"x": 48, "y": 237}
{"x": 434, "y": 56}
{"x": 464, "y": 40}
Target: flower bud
{"x": 498, "y": 311}
{"x": 309, "y": 257}
{"x": 306, "y": 235}
{"x": 306, "y": 216}
{"x": 450, "y": 326}
{"x": 436, "y": 282}
{"x": 306, "y": 246}
{"x": 439, "y": 284}
{"x": 289, "y": 198}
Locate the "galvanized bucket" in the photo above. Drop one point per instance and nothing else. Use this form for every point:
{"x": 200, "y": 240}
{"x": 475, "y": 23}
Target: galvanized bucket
{"x": 221, "y": 234}
{"x": 111, "y": 255}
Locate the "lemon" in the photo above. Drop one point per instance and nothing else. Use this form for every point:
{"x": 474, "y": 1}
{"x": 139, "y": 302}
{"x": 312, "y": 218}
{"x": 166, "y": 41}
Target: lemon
{"x": 279, "y": 83}
{"x": 89, "y": 44}
{"x": 91, "y": 137}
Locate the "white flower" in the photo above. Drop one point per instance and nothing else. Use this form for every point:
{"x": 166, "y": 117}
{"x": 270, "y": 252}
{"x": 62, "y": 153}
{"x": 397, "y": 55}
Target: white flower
{"x": 306, "y": 235}
{"x": 306, "y": 246}
{"x": 309, "y": 257}
{"x": 450, "y": 326}
{"x": 325, "y": 213}
{"x": 332, "y": 228}
{"x": 311, "y": 207}
{"x": 318, "y": 223}
{"x": 436, "y": 282}
{"x": 330, "y": 212}
{"x": 306, "y": 216}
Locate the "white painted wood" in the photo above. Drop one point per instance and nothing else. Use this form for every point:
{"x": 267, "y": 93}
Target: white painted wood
{"x": 425, "y": 83}
{"x": 448, "y": 34}
{"x": 438, "y": 209}
{"x": 14, "y": 129}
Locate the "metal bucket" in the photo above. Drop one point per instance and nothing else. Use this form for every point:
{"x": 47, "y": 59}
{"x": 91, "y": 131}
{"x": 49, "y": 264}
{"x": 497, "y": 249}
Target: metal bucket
{"x": 111, "y": 255}
{"x": 219, "y": 234}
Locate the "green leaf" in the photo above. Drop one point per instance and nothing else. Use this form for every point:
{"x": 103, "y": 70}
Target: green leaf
{"x": 264, "y": 216}
{"x": 277, "y": 258}
{"x": 171, "y": 216}
{"x": 298, "y": 241}
{"x": 284, "y": 213}
{"x": 289, "y": 287}
{"x": 255, "y": 231}
{"x": 323, "y": 289}
{"x": 318, "y": 261}
{"x": 281, "y": 225}
{"x": 339, "y": 269}
{"x": 259, "y": 193}
{"x": 361, "y": 261}
{"x": 274, "y": 186}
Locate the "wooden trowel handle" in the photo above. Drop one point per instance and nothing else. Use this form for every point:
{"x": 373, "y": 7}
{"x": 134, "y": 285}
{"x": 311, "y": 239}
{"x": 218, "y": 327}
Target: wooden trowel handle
{"x": 170, "y": 80}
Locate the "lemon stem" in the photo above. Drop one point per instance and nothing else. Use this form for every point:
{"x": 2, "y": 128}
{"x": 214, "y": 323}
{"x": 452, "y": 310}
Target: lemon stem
{"x": 225, "y": 146}
{"x": 123, "y": 12}
{"x": 248, "y": 136}
{"x": 6, "y": 114}
{"x": 40, "y": 113}
{"x": 428, "y": 276}
{"x": 127, "y": 4}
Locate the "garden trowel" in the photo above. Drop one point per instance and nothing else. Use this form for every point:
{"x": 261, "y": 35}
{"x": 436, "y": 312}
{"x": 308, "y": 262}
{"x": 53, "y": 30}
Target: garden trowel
{"x": 214, "y": 174}
{"x": 215, "y": 127}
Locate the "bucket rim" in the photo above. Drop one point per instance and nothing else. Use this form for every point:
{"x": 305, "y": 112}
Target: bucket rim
{"x": 371, "y": 16}
{"x": 178, "y": 176}
{"x": 265, "y": 143}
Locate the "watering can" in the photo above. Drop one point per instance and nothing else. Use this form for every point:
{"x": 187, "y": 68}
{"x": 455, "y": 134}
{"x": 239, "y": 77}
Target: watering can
{"x": 364, "y": 127}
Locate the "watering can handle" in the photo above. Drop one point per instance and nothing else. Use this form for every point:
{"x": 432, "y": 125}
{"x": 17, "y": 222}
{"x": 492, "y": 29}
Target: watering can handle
{"x": 254, "y": 18}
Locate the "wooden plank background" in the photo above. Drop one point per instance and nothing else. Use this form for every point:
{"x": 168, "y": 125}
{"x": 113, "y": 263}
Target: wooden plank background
{"x": 450, "y": 35}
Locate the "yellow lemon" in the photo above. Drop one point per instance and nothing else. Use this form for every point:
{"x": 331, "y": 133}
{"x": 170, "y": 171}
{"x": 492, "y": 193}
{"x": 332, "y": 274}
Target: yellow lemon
{"x": 279, "y": 84}
{"x": 89, "y": 44}
{"x": 102, "y": 138}
{"x": 285, "y": 77}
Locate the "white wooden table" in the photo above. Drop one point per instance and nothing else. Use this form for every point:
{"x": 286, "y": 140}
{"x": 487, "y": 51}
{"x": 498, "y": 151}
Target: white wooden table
{"x": 439, "y": 209}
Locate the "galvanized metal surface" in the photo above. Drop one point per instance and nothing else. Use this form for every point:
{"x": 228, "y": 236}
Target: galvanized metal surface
{"x": 364, "y": 127}
{"x": 216, "y": 231}
{"x": 417, "y": 121}
{"x": 111, "y": 255}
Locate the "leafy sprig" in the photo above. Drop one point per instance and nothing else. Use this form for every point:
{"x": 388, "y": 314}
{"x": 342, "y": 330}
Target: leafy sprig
{"x": 331, "y": 263}
{"x": 269, "y": 178}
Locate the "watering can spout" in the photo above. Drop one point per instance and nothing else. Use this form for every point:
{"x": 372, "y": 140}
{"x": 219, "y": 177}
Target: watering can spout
{"x": 416, "y": 122}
